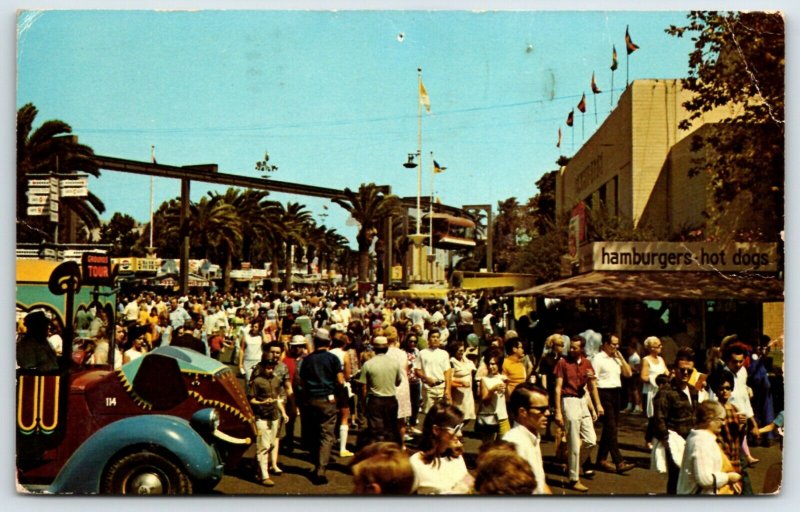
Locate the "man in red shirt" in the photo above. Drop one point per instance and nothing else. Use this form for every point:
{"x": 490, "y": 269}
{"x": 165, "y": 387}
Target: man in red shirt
{"x": 574, "y": 376}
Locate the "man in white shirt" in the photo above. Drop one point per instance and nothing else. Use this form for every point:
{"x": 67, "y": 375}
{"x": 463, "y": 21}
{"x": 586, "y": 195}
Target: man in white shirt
{"x": 734, "y": 362}
{"x": 433, "y": 368}
{"x": 131, "y": 311}
{"x": 528, "y": 405}
{"x": 609, "y": 366}
{"x": 216, "y": 321}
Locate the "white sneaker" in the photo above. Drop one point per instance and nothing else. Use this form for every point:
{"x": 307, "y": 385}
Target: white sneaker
{"x": 345, "y": 453}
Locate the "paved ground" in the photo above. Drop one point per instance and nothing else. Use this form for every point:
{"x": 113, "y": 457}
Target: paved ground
{"x": 639, "y": 481}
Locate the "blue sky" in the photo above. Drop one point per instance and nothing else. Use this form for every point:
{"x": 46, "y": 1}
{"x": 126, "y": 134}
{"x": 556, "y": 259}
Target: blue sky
{"x": 517, "y": 143}
{"x": 333, "y": 96}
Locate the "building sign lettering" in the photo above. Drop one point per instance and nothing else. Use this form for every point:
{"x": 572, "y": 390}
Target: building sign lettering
{"x": 590, "y": 174}
{"x": 686, "y": 256}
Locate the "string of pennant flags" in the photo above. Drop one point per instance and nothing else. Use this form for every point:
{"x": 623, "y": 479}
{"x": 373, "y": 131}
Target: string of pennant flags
{"x": 630, "y": 47}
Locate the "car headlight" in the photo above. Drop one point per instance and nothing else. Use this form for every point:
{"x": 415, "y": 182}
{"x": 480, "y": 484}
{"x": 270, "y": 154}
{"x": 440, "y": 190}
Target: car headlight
{"x": 205, "y": 421}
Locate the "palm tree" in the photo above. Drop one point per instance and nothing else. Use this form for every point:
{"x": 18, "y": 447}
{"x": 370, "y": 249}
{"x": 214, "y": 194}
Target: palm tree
{"x": 369, "y": 207}
{"x": 331, "y": 248}
{"x": 215, "y": 228}
{"x": 295, "y": 220}
{"x": 50, "y": 148}
{"x": 249, "y": 207}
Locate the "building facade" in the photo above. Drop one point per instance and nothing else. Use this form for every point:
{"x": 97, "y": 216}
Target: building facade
{"x": 637, "y": 165}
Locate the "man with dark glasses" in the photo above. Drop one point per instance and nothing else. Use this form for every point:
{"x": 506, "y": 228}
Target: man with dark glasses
{"x": 674, "y": 408}
{"x": 530, "y": 409}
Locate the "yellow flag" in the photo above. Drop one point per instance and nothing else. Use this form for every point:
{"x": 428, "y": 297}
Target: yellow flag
{"x": 423, "y": 96}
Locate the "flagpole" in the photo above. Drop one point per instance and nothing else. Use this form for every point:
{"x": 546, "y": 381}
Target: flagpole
{"x": 627, "y": 58}
{"x": 583, "y": 123}
{"x": 611, "y": 99}
{"x": 572, "y": 131}
{"x": 419, "y": 154}
{"x": 430, "y": 217}
{"x": 153, "y": 158}
{"x": 595, "y": 109}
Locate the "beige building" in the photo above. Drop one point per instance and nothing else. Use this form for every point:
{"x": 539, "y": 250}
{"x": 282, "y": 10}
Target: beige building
{"x": 637, "y": 164}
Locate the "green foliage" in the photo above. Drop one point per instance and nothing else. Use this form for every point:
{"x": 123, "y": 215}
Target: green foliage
{"x": 50, "y": 148}
{"x": 369, "y": 206}
{"x": 121, "y": 233}
{"x": 739, "y": 62}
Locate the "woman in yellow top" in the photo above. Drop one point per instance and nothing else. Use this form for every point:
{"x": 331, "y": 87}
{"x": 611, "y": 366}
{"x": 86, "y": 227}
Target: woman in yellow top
{"x": 516, "y": 367}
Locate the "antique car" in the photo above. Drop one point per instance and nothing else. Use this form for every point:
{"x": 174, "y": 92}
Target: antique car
{"x": 167, "y": 422}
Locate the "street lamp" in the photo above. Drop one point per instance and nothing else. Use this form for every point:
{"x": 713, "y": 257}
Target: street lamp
{"x": 418, "y": 237}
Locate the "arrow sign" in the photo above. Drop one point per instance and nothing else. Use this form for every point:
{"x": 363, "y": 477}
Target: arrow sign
{"x": 38, "y": 199}
{"x": 74, "y": 191}
{"x": 79, "y": 182}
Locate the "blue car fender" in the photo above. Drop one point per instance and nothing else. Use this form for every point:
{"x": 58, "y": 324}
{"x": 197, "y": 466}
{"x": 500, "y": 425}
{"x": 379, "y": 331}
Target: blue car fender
{"x": 83, "y": 472}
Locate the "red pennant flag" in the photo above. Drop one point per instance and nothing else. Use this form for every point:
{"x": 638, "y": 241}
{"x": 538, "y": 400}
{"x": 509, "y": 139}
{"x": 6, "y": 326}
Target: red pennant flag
{"x": 630, "y": 45}
{"x": 570, "y": 117}
{"x": 595, "y": 90}
{"x": 613, "y": 58}
{"x": 558, "y": 144}
{"x": 582, "y": 104}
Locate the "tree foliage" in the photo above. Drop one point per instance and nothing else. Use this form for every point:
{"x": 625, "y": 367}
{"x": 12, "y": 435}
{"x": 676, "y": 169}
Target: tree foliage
{"x": 738, "y": 62}
{"x": 121, "y": 233}
{"x": 369, "y": 207}
{"x": 50, "y": 148}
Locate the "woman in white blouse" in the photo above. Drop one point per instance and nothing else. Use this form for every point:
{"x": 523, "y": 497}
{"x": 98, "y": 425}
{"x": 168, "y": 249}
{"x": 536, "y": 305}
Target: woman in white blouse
{"x": 703, "y": 470}
{"x": 440, "y": 468}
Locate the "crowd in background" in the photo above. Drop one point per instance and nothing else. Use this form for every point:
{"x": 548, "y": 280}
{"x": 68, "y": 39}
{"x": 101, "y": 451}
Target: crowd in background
{"x": 341, "y": 364}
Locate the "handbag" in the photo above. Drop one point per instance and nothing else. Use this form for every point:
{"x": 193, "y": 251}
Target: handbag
{"x": 727, "y": 467}
{"x": 487, "y": 423}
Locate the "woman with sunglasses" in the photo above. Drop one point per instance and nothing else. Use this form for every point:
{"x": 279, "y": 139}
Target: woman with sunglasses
{"x": 735, "y": 427}
{"x": 439, "y": 467}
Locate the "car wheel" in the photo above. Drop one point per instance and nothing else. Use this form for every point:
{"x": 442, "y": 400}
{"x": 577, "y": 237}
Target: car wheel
{"x": 145, "y": 473}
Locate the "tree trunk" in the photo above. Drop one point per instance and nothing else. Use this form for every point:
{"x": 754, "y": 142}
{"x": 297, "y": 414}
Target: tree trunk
{"x": 287, "y": 277}
{"x": 363, "y": 264}
{"x": 226, "y": 272}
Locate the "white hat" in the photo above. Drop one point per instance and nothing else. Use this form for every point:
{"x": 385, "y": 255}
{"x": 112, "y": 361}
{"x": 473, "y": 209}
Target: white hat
{"x": 298, "y": 339}
{"x": 380, "y": 341}
{"x": 323, "y": 334}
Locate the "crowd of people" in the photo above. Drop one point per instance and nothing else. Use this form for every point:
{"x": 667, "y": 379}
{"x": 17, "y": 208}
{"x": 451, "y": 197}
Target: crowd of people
{"x": 375, "y": 366}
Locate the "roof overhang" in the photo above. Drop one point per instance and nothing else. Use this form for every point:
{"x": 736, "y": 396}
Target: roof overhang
{"x": 661, "y": 286}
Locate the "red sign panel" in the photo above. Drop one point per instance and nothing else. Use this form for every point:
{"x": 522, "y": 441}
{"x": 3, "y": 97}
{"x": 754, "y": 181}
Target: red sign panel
{"x": 96, "y": 269}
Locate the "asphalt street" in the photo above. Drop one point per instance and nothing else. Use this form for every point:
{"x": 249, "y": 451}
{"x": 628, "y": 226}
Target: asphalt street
{"x": 639, "y": 481}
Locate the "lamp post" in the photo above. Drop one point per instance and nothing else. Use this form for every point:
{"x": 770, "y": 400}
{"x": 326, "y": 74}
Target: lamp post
{"x": 418, "y": 237}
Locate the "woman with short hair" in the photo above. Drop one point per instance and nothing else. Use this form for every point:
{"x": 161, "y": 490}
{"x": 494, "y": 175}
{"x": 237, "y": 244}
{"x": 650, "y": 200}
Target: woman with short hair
{"x": 653, "y": 365}
{"x": 705, "y": 468}
{"x": 439, "y": 467}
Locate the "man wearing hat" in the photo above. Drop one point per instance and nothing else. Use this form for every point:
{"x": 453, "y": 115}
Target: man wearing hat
{"x": 297, "y": 350}
{"x": 321, "y": 375}
{"x": 33, "y": 350}
{"x": 381, "y": 376}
